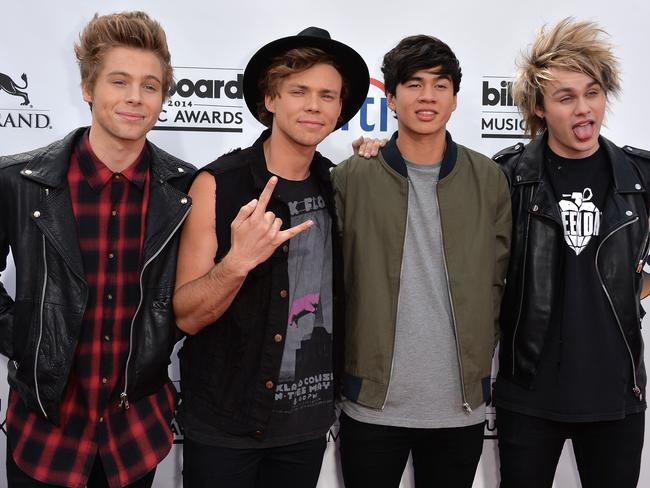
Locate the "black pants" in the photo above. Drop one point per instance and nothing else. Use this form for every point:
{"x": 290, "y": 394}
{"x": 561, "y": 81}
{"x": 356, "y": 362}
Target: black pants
{"x": 293, "y": 466}
{"x": 608, "y": 454}
{"x": 376, "y": 455}
{"x": 16, "y": 478}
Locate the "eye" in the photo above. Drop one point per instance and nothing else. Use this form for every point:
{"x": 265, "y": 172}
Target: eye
{"x": 151, "y": 88}
{"x": 566, "y": 99}
{"x": 328, "y": 97}
{"x": 118, "y": 82}
{"x": 297, "y": 92}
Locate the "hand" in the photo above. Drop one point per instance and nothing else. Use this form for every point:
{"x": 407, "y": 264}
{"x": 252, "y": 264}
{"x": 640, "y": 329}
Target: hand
{"x": 255, "y": 233}
{"x": 367, "y": 147}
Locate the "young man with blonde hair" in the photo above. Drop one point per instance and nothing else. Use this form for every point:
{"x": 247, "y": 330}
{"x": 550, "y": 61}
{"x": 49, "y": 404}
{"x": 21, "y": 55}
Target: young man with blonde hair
{"x": 258, "y": 270}
{"x": 571, "y": 352}
{"x": 92, "y": 222}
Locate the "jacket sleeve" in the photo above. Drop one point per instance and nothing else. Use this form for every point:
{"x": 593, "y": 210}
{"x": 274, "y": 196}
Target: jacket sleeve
{"x": 338, "y": 184}
{"x": 6, "y": 302}
{"x": 503, "y": 228}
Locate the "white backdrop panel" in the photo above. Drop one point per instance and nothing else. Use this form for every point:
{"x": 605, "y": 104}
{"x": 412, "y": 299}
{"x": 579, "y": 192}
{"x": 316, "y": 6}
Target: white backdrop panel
{"x": 213, "y": 40}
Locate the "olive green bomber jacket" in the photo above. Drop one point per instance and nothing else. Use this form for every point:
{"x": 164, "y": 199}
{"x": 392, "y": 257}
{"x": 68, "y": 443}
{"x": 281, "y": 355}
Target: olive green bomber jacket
{"x": 372, "y": 204}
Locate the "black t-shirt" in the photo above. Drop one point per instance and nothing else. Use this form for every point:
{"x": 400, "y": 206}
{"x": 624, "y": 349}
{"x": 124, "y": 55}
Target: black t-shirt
{"x": 585, "y": 370}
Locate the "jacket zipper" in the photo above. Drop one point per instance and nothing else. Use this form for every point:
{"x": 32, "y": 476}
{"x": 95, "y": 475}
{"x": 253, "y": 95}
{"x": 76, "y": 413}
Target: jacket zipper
{"x": 466, "y": 406}
{"x": 392, "y": 359}
{"x": 40, "y": 331}
{"x": 644, "y": 253}
{"x": 523, "y": 277}
{"x": 124, "y": 398}
{"x": 636, "y": 390}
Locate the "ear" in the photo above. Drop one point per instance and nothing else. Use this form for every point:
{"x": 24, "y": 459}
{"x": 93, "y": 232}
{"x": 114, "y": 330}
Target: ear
{"x": 455, "y": 104}
{"x": 86, "y": 93}
{"x": 269, "y": 103}
{"x": 391, "y": 101}
{"x": 539, "y": 111}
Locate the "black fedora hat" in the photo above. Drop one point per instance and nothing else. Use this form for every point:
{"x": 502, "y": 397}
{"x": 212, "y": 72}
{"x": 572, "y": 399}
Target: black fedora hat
{"x": 353, "y": 67}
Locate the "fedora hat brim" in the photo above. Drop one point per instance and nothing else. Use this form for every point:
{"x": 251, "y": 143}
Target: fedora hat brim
{"x": 353, "y": 69}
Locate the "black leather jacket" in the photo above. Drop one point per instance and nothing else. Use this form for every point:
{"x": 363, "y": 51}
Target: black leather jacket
{"x": 40, "y": 330}
{"x": 535, "y": 271}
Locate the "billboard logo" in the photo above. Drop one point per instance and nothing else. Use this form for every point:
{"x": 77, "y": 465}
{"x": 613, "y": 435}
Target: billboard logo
{"x": 204, "y": 100}
{"x": 18, "y": 117}
{"x": 500, "y": 118}
{"x": 374, "y": 114}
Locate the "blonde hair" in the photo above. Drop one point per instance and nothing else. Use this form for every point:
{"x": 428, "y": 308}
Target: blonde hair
{"x": 125, "y": 29}
{"x": 569, "y": 45}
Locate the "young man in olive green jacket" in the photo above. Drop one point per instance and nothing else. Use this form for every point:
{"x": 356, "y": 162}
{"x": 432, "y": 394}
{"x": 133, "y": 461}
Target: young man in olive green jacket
{"x": 426, "y": 235}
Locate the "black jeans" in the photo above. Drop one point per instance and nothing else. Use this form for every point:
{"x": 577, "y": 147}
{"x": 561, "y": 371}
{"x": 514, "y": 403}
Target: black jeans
{"x": 16, "y": 478}
{"x": 376, "y": 455}
{"x": 608, "y": 454}
{"x": 293, "y": 466}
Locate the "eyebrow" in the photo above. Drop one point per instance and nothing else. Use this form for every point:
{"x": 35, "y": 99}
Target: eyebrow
{"x": 305, "y": 87}
{"x": 128, "y": 75}
{"x": 436, "y": 77}
{"x": 566, "y": 89}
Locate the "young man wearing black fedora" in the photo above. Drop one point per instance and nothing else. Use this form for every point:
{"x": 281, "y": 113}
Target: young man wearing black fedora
{"x": 257, "y": 275}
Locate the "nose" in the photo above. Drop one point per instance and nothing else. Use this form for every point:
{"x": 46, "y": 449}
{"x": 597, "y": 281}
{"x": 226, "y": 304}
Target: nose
{"x": 582, "y": 106}
{"x": 312, "y": 102}
{"x": 133, "y": 94}
{"x": 427, "y": 93}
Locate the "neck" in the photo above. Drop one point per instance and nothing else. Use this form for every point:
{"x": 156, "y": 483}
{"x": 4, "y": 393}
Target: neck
{"x": 116, "y": 154}
{"x": 287, "y": 159}
{"x": 422, "y": 149}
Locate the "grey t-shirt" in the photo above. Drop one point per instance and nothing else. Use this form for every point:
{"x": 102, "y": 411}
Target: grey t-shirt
{"x": 425, "y": 388}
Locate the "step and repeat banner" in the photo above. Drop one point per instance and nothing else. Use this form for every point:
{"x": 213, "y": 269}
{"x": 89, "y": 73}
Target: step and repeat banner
{"x": 40, "y": 99}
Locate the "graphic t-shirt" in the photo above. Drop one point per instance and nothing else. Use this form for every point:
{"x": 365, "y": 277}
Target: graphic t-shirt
{"x": 304, "y": 395}
{"x": 585, "y": 372}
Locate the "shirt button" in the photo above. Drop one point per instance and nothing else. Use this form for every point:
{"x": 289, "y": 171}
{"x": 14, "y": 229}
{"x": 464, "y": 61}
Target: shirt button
{"x": 101, "y": 420}
{"x": 285, "y": 248}
{"x": 637, "y": 186}
{"x": 113, "y": 213}
{"x": 109, "y": 297}
{"x": 259, "y": 433}
{"x": 111, "y": 255}
{"x": 269, "y": 385}
{"x": 117, "y": 176}
{"x": 104, "y": 380}
{"x": 277, "y": 337}
{"x": 107, "y": 338}
{"x": 36, "y": 214}
{"x": 284, "y": 294}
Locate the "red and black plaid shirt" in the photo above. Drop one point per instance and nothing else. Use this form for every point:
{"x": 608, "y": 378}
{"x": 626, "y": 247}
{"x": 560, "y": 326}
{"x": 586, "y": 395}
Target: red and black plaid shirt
{"x": 110, "y": 210}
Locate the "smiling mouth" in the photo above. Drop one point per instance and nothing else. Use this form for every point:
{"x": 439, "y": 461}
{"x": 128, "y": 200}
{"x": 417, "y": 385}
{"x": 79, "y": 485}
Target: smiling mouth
{"x": 426, "y": 114}
{"x": 311, "y": 123}
{"x": 131, "y": 116}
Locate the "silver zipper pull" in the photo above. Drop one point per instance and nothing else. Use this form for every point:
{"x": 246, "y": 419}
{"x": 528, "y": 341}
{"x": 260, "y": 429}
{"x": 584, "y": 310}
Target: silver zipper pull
{"x": 639, "y": 268}
{"x": 124, "y": 401}
{"x": 467, "y": 408}
{"x": 637, "y": 393}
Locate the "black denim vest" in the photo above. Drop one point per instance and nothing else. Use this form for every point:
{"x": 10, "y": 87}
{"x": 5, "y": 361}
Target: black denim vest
{"x": 229, "y": 369}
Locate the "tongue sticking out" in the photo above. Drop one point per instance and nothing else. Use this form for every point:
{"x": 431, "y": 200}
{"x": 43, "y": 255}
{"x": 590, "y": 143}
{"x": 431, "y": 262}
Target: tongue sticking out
{"x": 584, "y": 132}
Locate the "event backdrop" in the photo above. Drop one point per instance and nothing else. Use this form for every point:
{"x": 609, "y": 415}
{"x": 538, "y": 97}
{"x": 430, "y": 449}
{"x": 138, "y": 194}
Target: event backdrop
{"x": 211, "y": 42}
